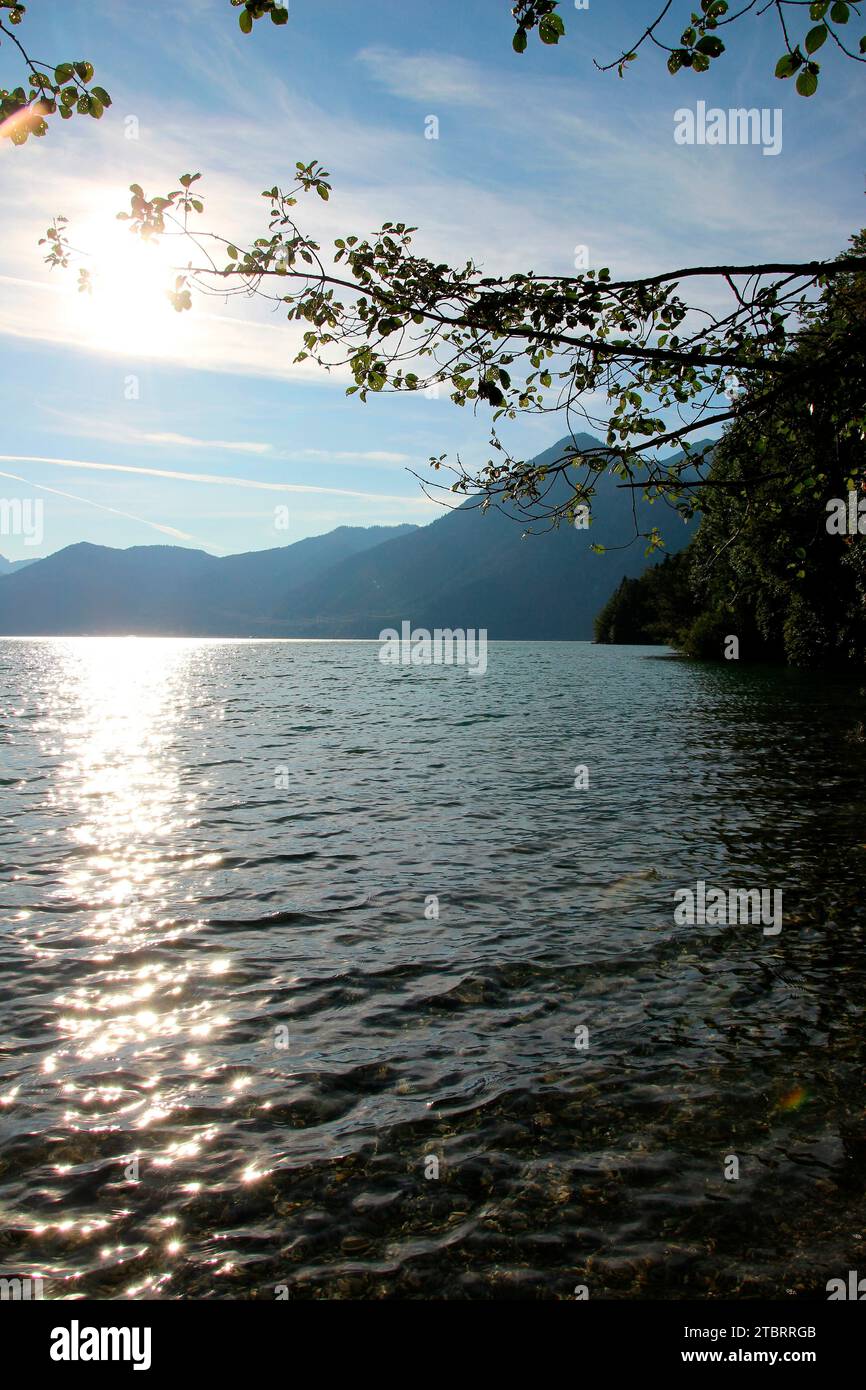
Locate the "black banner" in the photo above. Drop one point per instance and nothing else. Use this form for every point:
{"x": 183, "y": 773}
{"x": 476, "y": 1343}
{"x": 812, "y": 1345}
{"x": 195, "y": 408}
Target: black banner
{"x": 85, "y": 1341}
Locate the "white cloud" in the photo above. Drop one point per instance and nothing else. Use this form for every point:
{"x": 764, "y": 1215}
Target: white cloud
{"x": 187, "y": 441}
{"x": 120, "y": 433}
{"x": 348, "y": 455}
{"x": 429, "y": 77}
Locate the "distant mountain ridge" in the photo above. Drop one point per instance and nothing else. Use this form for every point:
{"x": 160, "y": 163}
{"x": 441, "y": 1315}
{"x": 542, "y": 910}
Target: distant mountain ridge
{"x": 10, "y": 566}
{"x": 162, "y": 589}
{"x": 466, "y": 569}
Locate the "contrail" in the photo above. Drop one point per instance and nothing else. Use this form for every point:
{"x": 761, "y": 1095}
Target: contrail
{"x": 166, "y": 530}
{"x": 215, "y": 478}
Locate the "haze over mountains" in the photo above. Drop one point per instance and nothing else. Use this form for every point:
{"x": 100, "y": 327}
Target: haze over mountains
{"x": 466, "y": 569}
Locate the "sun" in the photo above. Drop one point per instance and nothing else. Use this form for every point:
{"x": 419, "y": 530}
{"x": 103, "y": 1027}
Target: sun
{"x": 127, "y": 308}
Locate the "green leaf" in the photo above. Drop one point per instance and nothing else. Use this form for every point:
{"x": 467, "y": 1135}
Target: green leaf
{"x": 815, "y": 38}
{"x": 711, "y": 46}
{"x": 322, "y": 192}
{"x": 807, "y": 84}
{"x": 280, "y": 15}
{"x": 63, "y": 73}
{"x": 245, "y": 20}
{"x": 818, "y": 11}
{"x": 518, "y": 43}
{"x": 102, "y": 95}
{"x": 84, "y": 70}
{"x": 840, "y": 13}
{"x": 551, "y": 28}
{"x": 787, "y": 65}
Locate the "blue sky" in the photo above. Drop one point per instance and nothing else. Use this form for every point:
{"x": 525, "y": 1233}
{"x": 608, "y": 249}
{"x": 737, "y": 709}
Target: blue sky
{"x": 536, "y": 155}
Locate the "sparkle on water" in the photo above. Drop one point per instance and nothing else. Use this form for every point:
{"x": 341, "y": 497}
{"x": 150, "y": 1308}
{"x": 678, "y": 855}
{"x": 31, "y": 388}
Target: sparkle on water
{"x": 171, "y": 910}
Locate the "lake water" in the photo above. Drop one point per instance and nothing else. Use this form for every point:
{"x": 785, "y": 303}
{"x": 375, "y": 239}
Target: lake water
{"x": 236, "y": 1041}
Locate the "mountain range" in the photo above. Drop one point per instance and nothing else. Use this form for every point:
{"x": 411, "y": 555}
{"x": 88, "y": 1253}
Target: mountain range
{"x": 467, "y": 569}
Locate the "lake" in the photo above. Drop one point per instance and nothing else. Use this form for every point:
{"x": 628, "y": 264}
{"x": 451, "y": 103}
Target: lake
{"x": 322, "y": 978}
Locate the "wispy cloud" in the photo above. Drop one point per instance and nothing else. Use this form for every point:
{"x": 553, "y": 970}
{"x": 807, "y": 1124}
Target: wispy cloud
{"x": 428, "y": 77}
{"x": 347, "y": 455}
{"x": 117, "y": 432}
{"x": 187, "y": 441}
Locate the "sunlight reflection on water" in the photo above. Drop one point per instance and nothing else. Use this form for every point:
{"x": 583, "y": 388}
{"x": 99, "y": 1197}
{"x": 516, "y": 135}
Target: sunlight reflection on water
{"x": 169, "y": 908}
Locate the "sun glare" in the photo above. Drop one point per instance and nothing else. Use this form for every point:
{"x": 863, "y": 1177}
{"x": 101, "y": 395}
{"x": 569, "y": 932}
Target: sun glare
{"x": 128, "y": 309}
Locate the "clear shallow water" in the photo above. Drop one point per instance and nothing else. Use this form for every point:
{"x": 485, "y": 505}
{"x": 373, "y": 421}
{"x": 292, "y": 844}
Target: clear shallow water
{"x": 169, "y": 910}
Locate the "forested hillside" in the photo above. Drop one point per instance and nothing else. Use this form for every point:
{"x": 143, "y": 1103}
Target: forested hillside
{"x": 775, "y": 561}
